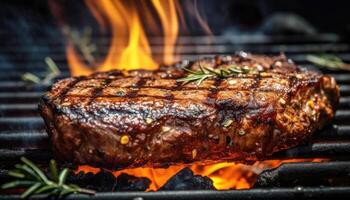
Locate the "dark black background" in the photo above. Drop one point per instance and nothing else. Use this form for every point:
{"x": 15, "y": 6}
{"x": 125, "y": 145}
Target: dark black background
{"x": 35, "y": 16}
{"x": 29, "y": 30}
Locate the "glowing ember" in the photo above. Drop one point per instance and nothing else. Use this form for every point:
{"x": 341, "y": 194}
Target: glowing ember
{"x": 223, "y": 175}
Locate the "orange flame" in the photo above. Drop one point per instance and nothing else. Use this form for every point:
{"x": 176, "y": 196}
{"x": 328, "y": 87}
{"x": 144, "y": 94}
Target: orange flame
{"x": 223, "y": 175}
{"x": 129, "y": 47}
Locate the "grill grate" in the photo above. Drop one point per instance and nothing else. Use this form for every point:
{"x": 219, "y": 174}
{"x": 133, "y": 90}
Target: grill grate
{"x": 22, "y": 130}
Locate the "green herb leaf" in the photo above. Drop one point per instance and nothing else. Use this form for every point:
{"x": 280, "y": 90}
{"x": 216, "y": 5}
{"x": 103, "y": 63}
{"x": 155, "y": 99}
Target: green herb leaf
{"x": 82, "y": 41}
{"x": 16, "y": 174}
{"x": 62, "y": 177}
{"x": 30, "y": 190}
{"x": 35, "y": 169}
{"x": 30, "y": 77}
{"x": 53, "y": 170}
{"x": 45, "y": 188}
{"x": 52, "y": 73}
{"x": 206, "y": 72}
{"x": 28, "y": 171}
{"x": 36, "y": 182}
{"x": 328, "y": 61}
{"x": 52, "y": 66}
{"x": 17, "y": 184}
{"x": 86, "y": 191}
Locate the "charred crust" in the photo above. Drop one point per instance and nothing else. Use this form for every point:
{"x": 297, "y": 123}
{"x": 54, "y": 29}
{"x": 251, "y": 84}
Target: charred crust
{"x": 171, "y": 123}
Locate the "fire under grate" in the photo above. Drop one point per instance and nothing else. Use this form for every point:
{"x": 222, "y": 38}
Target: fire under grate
{"x": 22, "y": 129}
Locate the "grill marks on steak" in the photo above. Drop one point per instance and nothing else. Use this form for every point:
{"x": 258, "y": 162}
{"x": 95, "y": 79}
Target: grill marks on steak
{"x": 242, "y": 118}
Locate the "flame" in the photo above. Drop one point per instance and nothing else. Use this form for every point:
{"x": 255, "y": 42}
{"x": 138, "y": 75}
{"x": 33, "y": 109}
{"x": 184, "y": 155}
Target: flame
{"x": 129, "y": 47}
{"x": 168, "y": 17}
{"x": 224, "y": 175}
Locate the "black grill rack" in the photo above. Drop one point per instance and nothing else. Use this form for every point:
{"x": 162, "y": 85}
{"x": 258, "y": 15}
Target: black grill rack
{"x": 22, "y": 129}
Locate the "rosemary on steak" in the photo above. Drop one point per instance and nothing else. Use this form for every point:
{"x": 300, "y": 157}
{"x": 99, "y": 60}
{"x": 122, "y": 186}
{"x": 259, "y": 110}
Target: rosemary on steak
{"x": 328, "y": 61}
{"x": 28, "y": 175}
{"x": 205, "y": 72}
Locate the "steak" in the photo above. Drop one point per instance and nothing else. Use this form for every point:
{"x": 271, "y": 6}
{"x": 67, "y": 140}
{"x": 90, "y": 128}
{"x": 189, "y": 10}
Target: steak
{"x": 140, "y": 118}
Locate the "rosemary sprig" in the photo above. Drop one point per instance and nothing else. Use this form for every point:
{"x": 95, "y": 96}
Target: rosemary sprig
{"x": 29, "y": 176}
{"x": 82, "y": 41}
{"x": 328, "y": 61}
{"x": 30, "y": 77}
{"x": 206, "y": 72}
{"x": 52, "y": 73}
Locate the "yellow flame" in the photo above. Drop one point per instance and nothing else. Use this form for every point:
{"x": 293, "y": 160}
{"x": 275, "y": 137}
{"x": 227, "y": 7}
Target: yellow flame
{"x": 129, "y": 47}
{"x": 167, "y": 13}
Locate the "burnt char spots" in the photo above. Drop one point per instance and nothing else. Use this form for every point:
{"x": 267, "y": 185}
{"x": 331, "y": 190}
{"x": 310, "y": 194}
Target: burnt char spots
{"x": 142, "y": 118}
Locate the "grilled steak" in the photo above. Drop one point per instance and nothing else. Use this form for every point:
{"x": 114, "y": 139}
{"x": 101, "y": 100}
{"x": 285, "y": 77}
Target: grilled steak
{"x": 120, "y": 119}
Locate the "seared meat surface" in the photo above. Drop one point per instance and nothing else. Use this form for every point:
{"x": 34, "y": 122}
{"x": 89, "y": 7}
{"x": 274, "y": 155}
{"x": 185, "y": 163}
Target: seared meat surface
{"x": 120, "y": 119}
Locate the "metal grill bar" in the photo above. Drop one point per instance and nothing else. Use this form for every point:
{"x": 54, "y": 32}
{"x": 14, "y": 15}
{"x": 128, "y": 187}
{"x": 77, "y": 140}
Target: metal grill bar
{"x": 22, "y": 130}
{"x": 218, "y": 49}
{"x": 263, "y": 194}
{"x": 287, "y": 175}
